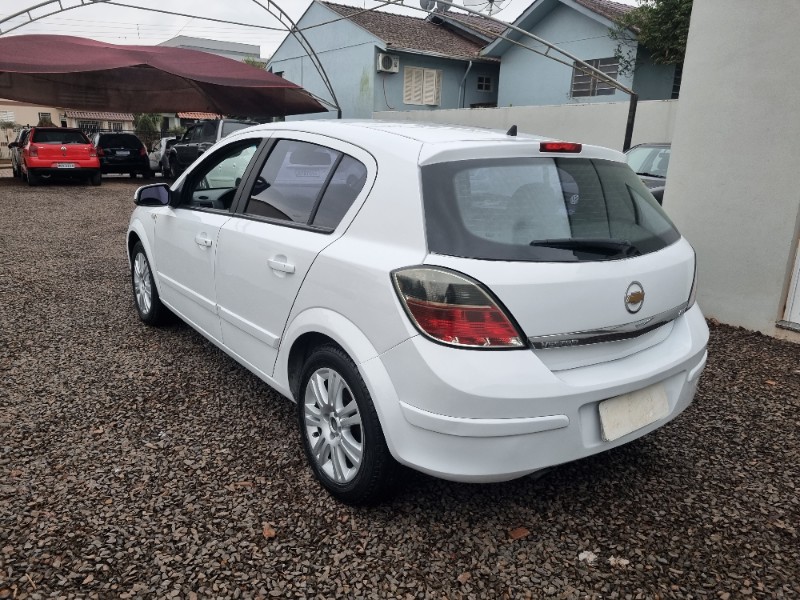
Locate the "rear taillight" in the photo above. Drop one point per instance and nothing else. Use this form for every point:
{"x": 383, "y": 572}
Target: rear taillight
{"x": 99, "y": 152}
{"x": 454, "y": 309}
{"x": 34, "y": 150}
{"x": 142, "y": 151}
{"x": 560, "y": 147}
{"x": 94, "y": 151}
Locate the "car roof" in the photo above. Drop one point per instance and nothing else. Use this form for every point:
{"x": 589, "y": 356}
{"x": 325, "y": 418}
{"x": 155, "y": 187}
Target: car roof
{"x": 436, "y": 139}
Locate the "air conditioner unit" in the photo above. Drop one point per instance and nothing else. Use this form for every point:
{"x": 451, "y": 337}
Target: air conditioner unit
{"x": 388, "y": 63}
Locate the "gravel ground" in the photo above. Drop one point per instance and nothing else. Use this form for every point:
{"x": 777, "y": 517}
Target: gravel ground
{"x": 139, "y": 462}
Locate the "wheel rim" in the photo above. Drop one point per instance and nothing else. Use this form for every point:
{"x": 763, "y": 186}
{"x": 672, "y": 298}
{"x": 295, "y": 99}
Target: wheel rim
{"x": 141, "y": 283}
{"x": 333, "y": 425}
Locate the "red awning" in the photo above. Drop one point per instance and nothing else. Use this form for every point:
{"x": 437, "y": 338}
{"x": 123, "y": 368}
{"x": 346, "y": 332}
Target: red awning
{"x": 59, "y": 70}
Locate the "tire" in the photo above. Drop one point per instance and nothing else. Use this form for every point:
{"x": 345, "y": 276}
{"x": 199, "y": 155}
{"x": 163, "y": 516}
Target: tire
{"x": 96, "y": 179}
{"x": 33, "y": 179}
{"x": 145, "y": 293}
{"x": 343, "y": 440}
{"x": 14, "y": 171}
{"x": 174, "y": 173}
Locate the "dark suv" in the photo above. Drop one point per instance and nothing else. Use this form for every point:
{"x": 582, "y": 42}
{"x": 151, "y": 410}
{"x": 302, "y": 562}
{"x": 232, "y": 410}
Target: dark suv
{"x": 198, "y": 138}
{"x": 122, "y": 153}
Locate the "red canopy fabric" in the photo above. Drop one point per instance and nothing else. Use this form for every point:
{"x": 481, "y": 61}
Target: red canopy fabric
{"x": 73, "y": 72}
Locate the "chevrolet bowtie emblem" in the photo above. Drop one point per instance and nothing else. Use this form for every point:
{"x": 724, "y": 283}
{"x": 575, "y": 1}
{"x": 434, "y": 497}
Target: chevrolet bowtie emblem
{"x": 634, "y": 297}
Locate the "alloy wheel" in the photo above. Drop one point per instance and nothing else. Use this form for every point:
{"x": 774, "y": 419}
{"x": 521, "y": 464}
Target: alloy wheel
{"x": 142, "y": 283}
{"x": 333, "y": 425}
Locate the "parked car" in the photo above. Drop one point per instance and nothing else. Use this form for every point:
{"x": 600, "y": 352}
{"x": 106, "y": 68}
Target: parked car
{"x": 57, "y": 152}
{"x": 159, "y": 156}
{"x": 15, "y": 148}
{"x": 121, "y": 152}
{"x": 650, "y": 162}
{"x": 198, "y": 138}
{"x": 472, "y": 305}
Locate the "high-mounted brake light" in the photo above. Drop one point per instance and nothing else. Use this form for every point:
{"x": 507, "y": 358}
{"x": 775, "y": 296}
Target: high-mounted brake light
{"x": 560, "y": 147}
{"x": 454, "y": 309}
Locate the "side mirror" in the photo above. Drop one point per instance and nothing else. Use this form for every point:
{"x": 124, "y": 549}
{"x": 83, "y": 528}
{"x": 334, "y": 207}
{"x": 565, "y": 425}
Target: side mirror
{"x": 13, "y": 145}
{"x": 156, "y": 194}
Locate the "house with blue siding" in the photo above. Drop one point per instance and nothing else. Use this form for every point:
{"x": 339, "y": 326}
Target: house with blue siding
{"x": 582, "y": 28}
{"x": 378, "y": 61}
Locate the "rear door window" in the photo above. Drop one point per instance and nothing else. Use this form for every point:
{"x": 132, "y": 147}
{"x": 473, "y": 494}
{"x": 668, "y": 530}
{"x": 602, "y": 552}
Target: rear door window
{"x": 306, "y": 184}
{"x": 541, "y": 209}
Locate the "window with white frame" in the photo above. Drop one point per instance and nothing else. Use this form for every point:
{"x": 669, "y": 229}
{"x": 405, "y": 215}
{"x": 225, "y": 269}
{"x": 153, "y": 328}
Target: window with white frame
{"x": 584, "y": 84}
{"x": 422, "y": 87}
{"x": 7, "y": 116}
{"x": 115, "y": 125}
{"x": 484, "y": 84}
{"x": 45, "y": 117}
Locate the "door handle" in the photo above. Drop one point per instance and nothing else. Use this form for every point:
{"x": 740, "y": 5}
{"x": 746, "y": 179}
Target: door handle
{"x": 277, "y": 265}
{"x": 201, "y": 239}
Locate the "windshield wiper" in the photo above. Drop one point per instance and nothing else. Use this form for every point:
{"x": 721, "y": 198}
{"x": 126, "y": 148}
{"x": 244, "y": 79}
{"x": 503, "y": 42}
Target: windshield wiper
{"x": 606, "y": 247}
{"x": 652, "y": 175}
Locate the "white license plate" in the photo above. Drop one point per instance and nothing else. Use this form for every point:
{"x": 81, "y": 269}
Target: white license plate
{"x": 624, "y": 414}
{"x": 123, "y": 152}
{"x": 65, "y": 165}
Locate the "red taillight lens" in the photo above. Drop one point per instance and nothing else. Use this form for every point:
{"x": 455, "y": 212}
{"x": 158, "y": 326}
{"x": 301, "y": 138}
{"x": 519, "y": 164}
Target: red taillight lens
{"x": 93, "y": 151}
{"x": 34, "y": 150}
{"x": 454, "y": 309}
{"x": 142, "y": 151}
{"x": 560, "y": 147}
{"x": 99, "y": 152}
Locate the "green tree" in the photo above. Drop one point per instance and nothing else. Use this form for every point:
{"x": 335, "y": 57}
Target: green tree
{"x": 45, "y": 122}
{"x": 148, "y": 127}
{"x": 661, "y": 26}
{"x": 258, "y": 64}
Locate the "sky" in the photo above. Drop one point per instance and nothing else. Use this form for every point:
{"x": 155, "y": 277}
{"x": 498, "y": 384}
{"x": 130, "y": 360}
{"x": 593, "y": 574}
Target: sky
{"x": 123, "y": 21}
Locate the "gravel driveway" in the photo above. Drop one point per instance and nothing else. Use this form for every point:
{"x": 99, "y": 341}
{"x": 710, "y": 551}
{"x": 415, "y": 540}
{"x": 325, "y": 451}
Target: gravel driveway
{"x": 139, "y": 462}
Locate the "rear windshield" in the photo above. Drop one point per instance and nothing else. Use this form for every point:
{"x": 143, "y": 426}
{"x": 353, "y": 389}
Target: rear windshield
{"x": 59, "y": 136}
{"x": 119, "y": 140}
{"x": 229, "y": 127}
{"x": 541, "y": 209}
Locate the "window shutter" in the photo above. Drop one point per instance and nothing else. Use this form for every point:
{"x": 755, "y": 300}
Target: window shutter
{"x": 432, "y": 87}
{"x": 413, "y": 81}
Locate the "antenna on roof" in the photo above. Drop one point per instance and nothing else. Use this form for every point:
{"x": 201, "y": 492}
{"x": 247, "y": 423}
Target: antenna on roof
{"x": 512, "y": 131}
{"x": 490, "y": 7}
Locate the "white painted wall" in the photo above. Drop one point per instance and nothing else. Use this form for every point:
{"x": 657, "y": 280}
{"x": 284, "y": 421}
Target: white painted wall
{"x": 732, "y": 186}
{"x": 598, "y": 123}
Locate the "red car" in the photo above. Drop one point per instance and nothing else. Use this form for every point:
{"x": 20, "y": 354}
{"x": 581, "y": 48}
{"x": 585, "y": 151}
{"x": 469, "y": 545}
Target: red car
{"x": 58, "y": 152}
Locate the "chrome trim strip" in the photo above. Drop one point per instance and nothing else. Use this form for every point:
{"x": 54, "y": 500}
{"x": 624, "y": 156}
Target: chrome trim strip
{"x": 613, "y": 333}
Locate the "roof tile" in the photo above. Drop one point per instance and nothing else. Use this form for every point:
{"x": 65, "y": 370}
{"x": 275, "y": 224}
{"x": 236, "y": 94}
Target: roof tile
{"x": 401, "y": 32}
{"x": 101, "y": 116}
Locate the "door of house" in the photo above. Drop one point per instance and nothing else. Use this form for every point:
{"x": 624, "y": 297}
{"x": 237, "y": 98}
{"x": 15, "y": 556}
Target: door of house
{"x": 793, "y": 303}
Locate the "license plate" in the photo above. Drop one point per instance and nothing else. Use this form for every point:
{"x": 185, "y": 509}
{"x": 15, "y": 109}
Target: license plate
{"x": 65, "y": 165}
{"x": 624, "y": 414}
{"x": 123, "y": 152}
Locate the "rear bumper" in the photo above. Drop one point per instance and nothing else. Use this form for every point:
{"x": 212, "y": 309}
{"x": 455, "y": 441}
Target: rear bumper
{"x": 493, "y": 416}
{"x": 57, "y": 172}
{"x": 126, "y": 166}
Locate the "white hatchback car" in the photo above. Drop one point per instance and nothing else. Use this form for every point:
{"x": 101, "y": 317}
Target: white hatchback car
{"x": 474, "y": 305}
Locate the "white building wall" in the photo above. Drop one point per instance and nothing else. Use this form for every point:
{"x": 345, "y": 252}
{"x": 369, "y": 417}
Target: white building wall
{"x": 732, "y": 186}
{"x": 602, "y": 124}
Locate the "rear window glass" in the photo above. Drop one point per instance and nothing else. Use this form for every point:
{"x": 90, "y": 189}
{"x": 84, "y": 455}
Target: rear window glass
{"x": 119, "y": 140}
{"x": 541, "y": 209}
{"x": 58, "y": 136}
{"x": 229, "y": 127}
